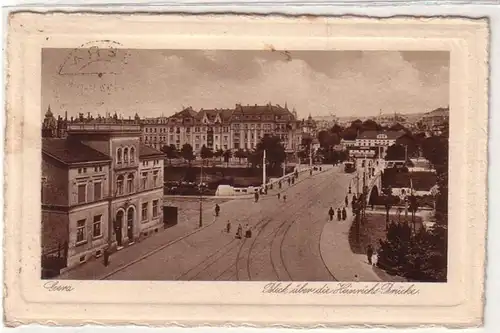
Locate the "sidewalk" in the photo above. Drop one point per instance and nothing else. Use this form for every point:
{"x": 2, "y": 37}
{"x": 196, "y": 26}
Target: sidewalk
{"x": 95, "y": 270}
{"x": 337, "y": 255}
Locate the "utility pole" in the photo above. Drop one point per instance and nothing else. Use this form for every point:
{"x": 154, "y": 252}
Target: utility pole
{"x": 310, "y": 155}
{"x": 264, "y": 169}
{"x": 406, "y": 153}
{"x": 201, "y": 196}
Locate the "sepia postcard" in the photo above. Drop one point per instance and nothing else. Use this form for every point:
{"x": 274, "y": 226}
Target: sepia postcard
{"x": 245, "y": 170}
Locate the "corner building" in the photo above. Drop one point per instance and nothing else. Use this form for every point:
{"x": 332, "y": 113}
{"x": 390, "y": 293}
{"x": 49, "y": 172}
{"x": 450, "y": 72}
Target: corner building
{"x": 100, "y": 188}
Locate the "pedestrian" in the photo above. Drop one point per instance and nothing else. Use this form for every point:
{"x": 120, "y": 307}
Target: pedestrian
{"x": 279, "y": 195}
{"x": 289, "y": 181}
{"x": 339, "y": 214}
{"x": 239, "y": 232}
{"x": 344, "y": 213}
{"x": 356, "y": 278}
{"x": 331, "y": 212}
{"x": 310, "y": 172}
{"x": 217, "y": 209}
{"x": 369, "y": 253}
{"x": 256, "y": 196}
{"x": 374, "y": 258}
{"x": 248, "y": 231}
{"x": 279, "y": 184}
{"x": 346, "y": 201}
{"x": 293, "y": 180}
{"x": 284, "y": 198}
{"x": 228, "y": 227}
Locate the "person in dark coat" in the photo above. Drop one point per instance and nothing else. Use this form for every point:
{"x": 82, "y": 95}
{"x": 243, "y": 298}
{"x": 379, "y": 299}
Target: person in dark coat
{"x": 346, "y": 201}
{"x": 239, "y": 232}
{"x": 228, "y": 227}
{"x": 331, "y": 212}
{"x": 339, "y": 214}
{"x": 256, "y": 196}
{"x": 217, "y": 209}
{"x": 369, "y": 253}
{"x": 284, "y": 198}
{"x": 344, "y": 214}
{"x": 279, "y": 195}
{"x": 106, "y": 257}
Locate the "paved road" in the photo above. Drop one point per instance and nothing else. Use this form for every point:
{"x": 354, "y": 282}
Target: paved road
{"x": 284, "y": 246}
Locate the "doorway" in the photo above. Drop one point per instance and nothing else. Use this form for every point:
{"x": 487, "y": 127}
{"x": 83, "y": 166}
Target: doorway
{"x": 118, "y": 227}
{"x": 130, "y": 225}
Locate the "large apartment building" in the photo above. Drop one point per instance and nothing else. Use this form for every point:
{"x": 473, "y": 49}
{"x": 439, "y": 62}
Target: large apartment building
{"x": 101, "y": 187}
{"x": 227, "y": 129}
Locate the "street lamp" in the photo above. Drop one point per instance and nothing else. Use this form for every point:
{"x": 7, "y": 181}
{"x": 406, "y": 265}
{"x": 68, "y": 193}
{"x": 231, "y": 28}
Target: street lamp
{"x": 201, "y": 196}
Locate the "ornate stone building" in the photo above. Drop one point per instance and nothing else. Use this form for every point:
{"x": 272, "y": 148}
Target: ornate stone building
{"x": 227, "y": 129}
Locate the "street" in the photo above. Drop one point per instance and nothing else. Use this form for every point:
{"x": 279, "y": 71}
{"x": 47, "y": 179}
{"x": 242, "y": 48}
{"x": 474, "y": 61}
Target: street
{"x": 284, "y": 245}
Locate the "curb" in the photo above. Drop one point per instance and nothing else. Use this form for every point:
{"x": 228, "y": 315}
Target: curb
{"x": 155, "y": 251}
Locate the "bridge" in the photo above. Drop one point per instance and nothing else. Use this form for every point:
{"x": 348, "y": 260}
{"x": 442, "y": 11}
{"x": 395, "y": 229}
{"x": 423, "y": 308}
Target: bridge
{"x": 372, "y": 183}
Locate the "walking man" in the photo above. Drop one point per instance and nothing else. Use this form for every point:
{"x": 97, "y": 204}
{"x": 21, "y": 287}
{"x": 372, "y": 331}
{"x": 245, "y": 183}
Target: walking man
{"x": 256, "y": 196}
{"x": 279, "y": 195}
{"x": 239, "y": 232}
{"x": 331, "y": 213}
{"x": 346, "y": 201}
{"x": 344, "y": 213}
{"x": 217, "y": 209}
{"x": 228, "y": 227}
{"x": 284, "y": 198}
{"x": 369, "y": 253}
{"x": 339, "y": 214}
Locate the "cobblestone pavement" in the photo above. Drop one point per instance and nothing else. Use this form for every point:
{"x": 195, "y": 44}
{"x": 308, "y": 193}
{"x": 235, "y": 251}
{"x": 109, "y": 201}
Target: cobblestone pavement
{"x": 285, "y": 242}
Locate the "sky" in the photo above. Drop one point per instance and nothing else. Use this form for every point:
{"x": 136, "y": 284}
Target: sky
{"x": 321, "y": 83}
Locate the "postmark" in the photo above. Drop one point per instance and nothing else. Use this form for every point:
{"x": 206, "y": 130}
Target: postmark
{"x": 95, "y": 58}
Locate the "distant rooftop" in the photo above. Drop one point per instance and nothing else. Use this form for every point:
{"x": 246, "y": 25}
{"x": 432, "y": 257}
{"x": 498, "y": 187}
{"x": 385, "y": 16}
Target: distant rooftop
{"x": 391, "y": 135}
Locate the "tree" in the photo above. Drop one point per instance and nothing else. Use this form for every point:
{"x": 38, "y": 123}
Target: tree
{"x": 187, "y": 153}
{"x": 336, "y": 129}
{"x": 275, "y": 152}
{"x": 219, "y": 153}
{"x": 240, "y": 153}
{"x": 349, "y": 133}
{"x": 170, "y": 151}
{"x": 227, "y": 156}
{"x": 395, "y": 153}
{"x": 397, "y": 127}
{"x": 328, "y": 139}
{"x": 370, "y": 125}
{"x": 205, "y": 153}
{"x": 388, "y": 201}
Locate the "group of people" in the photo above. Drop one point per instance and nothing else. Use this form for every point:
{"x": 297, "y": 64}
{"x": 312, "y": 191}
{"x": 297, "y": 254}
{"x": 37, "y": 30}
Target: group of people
{"x": 239, "y": 230}
{"x": 341, "y": 213}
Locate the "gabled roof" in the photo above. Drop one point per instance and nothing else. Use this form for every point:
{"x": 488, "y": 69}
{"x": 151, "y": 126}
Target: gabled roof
{"x": 211, "y": 114}
{"x": 146, "y": 151}
{"x": 71, "y": 151}
{"x": 391, "y": 135}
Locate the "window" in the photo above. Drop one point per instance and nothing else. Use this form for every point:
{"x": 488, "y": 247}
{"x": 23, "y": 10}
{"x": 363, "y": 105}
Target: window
{"x": 100, "y": 168}
{"x": 84, "y": 170}
{"x": 132, "y": 155}
{"x": 80, "y": 170}
{"x": 130, "y": 183}
{"x": 97, "y": 190}
{"x": 80, "y": 231}
{"x": 155, "y": 208}
{"x": 144, "y": 179}
{"x": 95, "y": 169}
{"x": 119, "y": 184}
{"x": 144, "y": 211}
{"x": 96, "y": 226}
{"x": 119, "y": 156}
{"x": 155, "y": 178}
{"x": 82, "y": 193}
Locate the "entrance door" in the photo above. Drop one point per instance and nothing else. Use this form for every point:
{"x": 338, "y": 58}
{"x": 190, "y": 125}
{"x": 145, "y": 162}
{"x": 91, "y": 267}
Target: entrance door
{"x": 118, "y": 227}
{"x": 130, "y": 225}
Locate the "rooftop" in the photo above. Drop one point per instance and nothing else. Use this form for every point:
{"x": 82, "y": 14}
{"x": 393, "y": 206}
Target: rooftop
{"x": 71, "y": 151}
{"x": 390, "y": 135}
{"x": 146, "y": 151}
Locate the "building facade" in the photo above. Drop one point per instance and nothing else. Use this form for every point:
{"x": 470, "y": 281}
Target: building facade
{"x": 227, "y": 129}
{"x": 101, "y": 187}
{"x": 380, "y": 140}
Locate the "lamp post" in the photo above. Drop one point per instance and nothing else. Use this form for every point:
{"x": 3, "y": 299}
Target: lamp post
{"x": 201, "y": 196}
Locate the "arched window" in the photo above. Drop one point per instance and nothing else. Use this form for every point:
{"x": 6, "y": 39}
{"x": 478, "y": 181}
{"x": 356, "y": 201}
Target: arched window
{"x": 125, "y": 155}
{"x": 130, "y": 183}
{"x": 119, "y": 184}
{"x": 119, "y": 156}
{"x": 132, "y": 155}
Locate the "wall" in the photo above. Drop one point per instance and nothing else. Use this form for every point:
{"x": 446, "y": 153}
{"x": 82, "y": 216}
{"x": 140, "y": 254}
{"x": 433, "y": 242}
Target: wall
{"x": 55, "y": 229}
{"x": 91, "y": 244}
{"x": 55, "y": 189}
{"x": 88, "y": 175}
{"x": 151, "y": 222}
